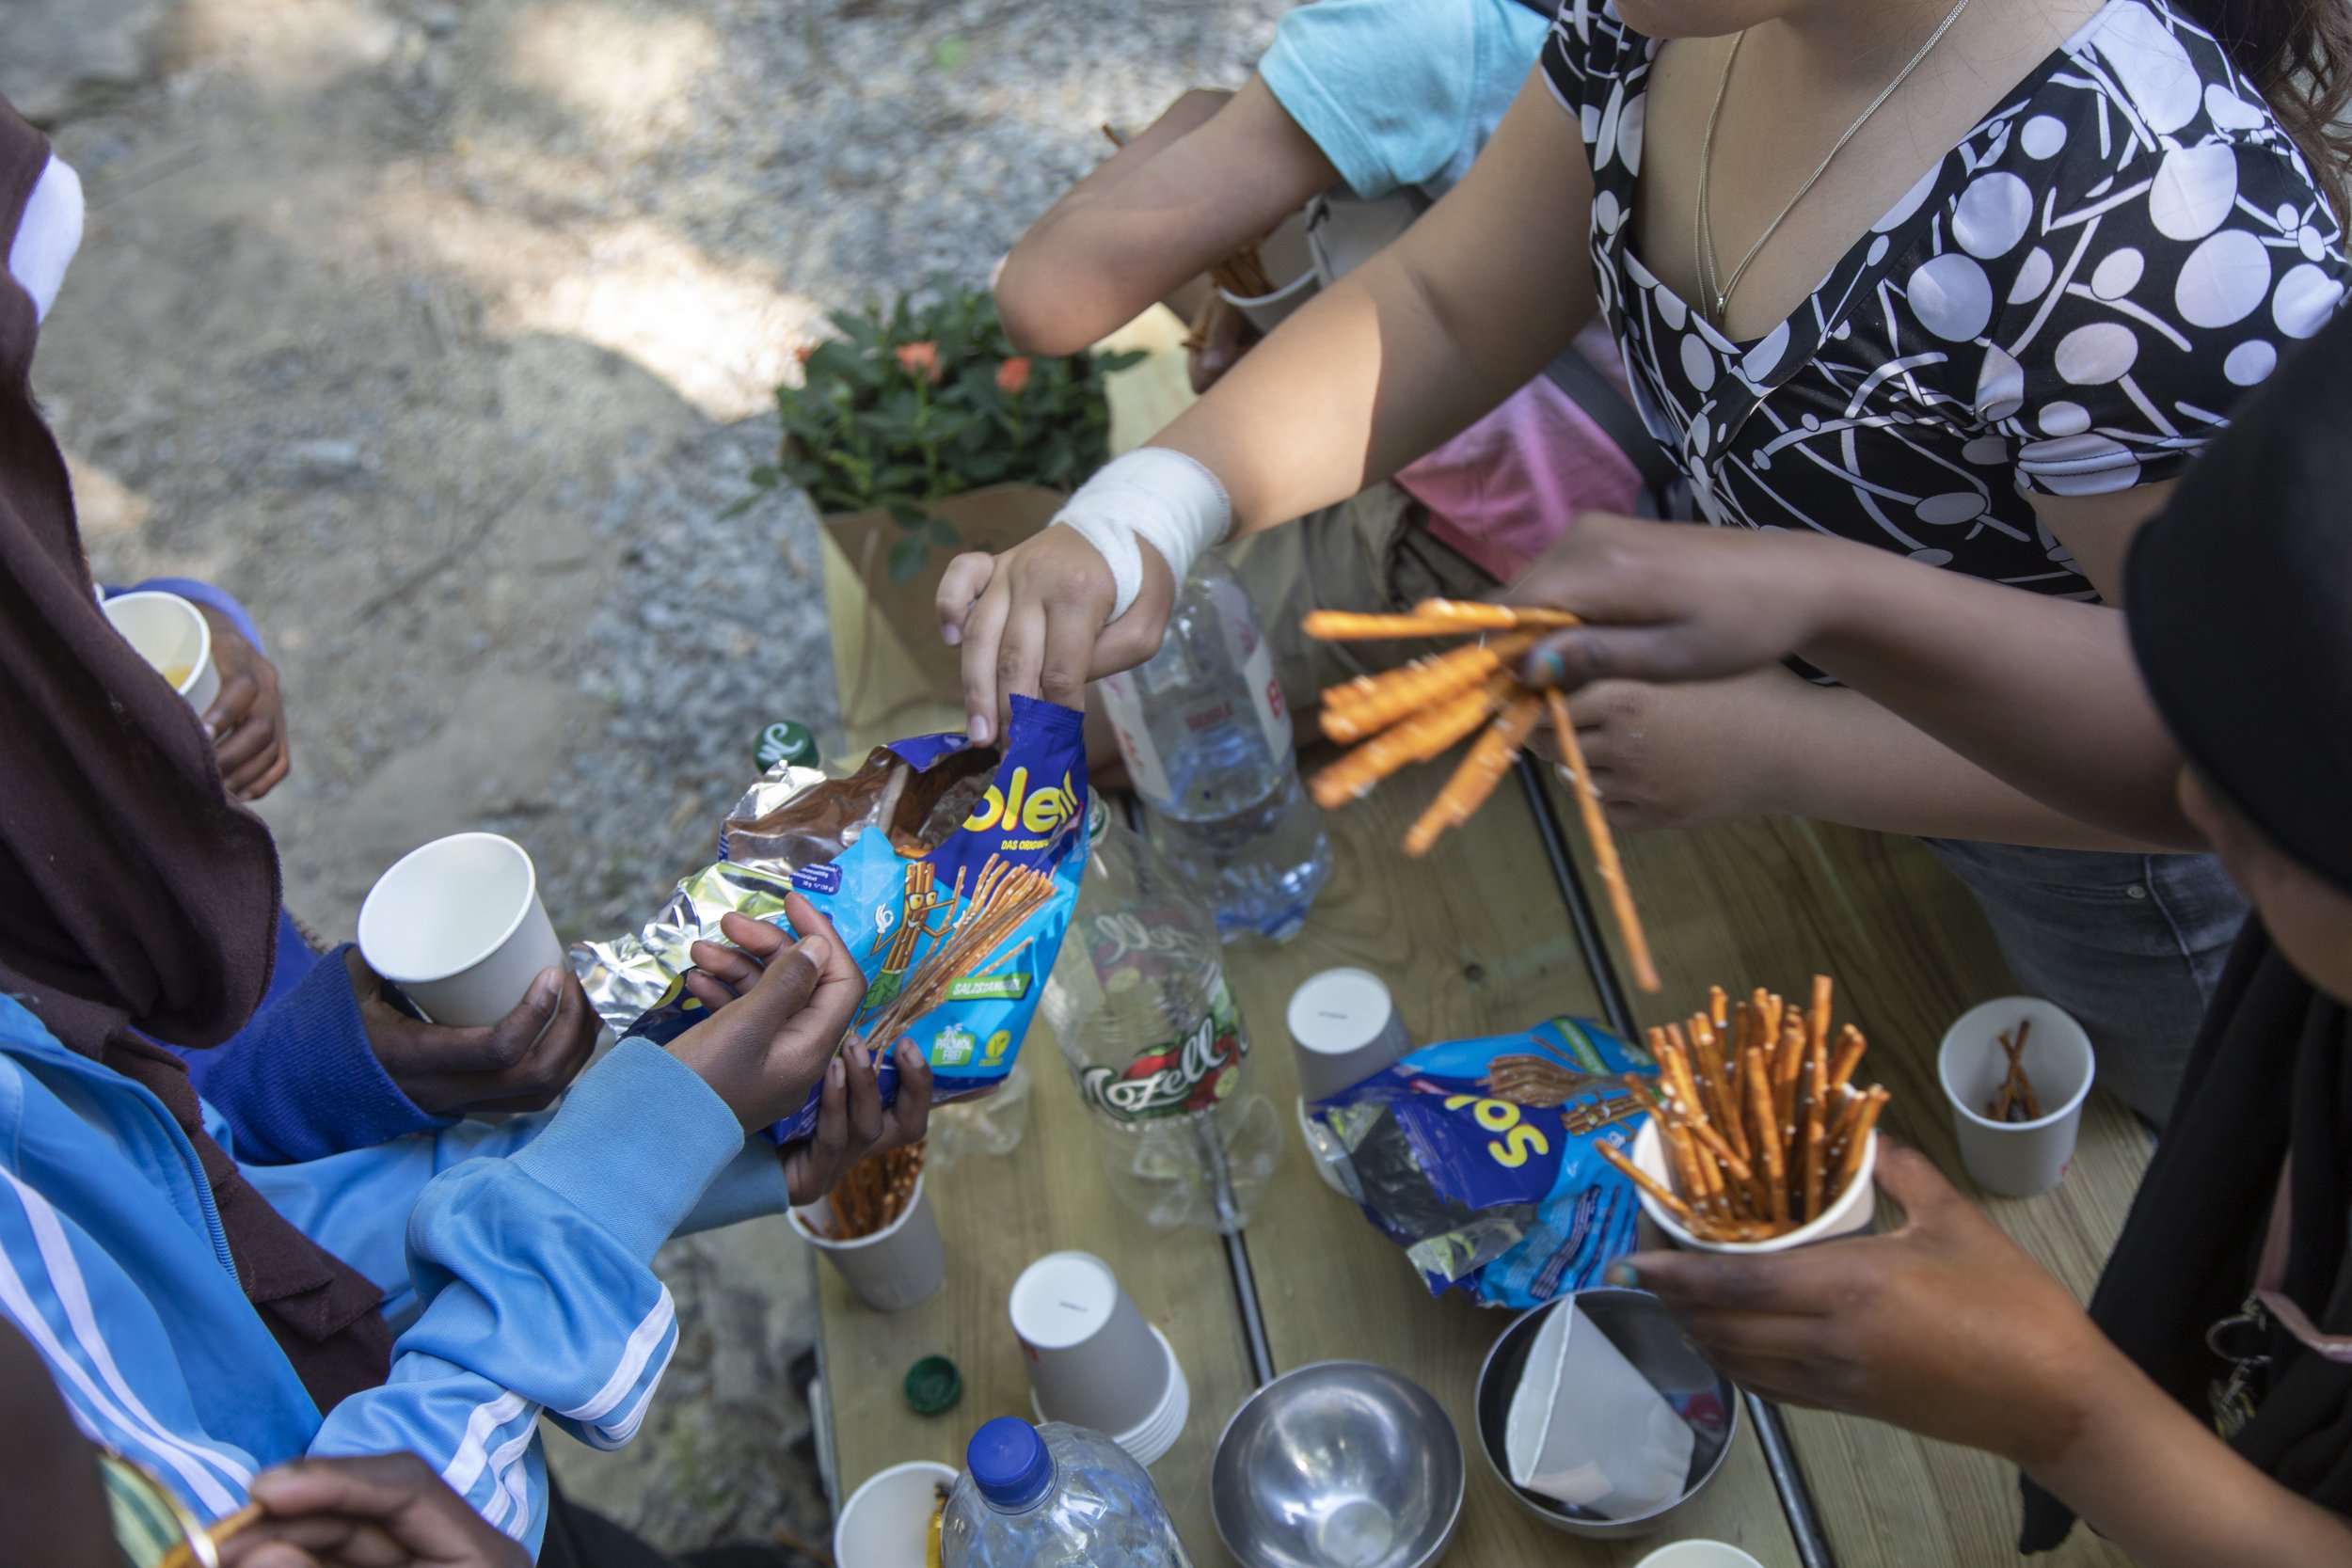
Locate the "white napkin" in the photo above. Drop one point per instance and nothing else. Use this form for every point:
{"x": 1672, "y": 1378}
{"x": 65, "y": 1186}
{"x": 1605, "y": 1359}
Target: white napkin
{"x": 1589, "y": 1430}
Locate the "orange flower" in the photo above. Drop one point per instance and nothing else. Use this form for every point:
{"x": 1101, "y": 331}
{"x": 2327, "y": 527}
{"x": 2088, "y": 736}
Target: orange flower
{"x": 920, "y": 359}
{"x": 1013, "y": 376}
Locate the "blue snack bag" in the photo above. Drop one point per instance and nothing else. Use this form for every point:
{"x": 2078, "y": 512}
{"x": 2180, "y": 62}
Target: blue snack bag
{"x": 957, "y": 933}
{"x": 1479, "y": 1158}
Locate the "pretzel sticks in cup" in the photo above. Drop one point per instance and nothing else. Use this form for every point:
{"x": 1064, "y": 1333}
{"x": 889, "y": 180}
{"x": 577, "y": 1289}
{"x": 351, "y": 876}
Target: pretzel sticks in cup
{"x": 1412, "y": 714}
{"x": 1757, "y": 1114}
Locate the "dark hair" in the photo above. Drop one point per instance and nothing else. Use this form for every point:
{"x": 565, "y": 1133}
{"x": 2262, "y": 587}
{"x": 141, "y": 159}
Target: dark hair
{"x": 2298, "y": 54}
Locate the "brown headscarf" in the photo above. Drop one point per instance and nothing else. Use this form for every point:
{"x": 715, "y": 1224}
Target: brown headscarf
{"x": 134, "y": 893}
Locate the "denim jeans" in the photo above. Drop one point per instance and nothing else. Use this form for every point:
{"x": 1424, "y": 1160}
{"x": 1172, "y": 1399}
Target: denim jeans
{"x": 2132, "y": 945}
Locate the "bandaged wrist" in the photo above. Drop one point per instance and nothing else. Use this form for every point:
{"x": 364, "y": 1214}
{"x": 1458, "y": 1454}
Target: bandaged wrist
{"x": 1150, "y": 495}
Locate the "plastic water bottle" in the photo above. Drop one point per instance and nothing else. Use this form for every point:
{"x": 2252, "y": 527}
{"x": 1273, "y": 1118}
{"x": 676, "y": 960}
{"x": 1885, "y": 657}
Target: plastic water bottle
{"x": 1054, "y": 1497}
{"x": 1137, "y": 999}
{"x": 1207, "y": 741}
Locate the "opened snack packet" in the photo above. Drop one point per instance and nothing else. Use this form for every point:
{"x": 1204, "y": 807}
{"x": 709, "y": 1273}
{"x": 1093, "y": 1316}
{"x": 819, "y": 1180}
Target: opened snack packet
{"x": 950, "y": 870}
{"x": 1478, "y": 1157}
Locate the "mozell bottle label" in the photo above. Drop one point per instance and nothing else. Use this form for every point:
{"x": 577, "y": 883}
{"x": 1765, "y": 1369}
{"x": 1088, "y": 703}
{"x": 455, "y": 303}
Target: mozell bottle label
{"x": 1190, "y": 1073}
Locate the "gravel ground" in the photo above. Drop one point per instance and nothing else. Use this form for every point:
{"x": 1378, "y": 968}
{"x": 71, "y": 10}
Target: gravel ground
{"x": 443, "y": 333}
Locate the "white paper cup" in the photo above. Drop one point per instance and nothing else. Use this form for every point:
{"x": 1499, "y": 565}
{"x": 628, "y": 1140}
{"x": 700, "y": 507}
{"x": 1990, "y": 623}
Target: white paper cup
{"x": 1854, "y": 1211}
{"x": 2016, "y": 1159}
{"x": 458, "y": 925}
{"x": 172, "y": 635}
{"x": 1688, "y": 1554}
{"x": 1344, "y": 1028}
{"x": 1094, "y": 1359}
{"x": 887, "y": 1521}
{"x": 895, "y": 1268}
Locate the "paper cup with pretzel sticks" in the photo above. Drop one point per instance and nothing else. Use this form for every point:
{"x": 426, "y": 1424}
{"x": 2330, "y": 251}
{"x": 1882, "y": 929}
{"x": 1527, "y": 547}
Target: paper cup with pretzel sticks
{"x": 898, "y": 1266}
{"x": 1757, "y": 1139}
{"x": 2025, "y": 1147}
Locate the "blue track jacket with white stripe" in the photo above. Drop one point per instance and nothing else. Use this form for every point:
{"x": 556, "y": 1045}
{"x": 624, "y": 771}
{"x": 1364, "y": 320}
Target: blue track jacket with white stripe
{"x": 515, "y": 1260}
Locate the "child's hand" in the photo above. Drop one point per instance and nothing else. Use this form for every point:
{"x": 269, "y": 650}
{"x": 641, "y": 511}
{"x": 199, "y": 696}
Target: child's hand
{"x": 778, "y": 1009}
{"x": 247, "y": 720}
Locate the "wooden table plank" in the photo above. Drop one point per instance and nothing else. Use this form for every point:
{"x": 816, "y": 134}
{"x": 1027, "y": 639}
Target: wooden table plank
{"x": 1771, "y": 903}
{"x": 999, "y": 1215}
{"x": 1471, "y": 940}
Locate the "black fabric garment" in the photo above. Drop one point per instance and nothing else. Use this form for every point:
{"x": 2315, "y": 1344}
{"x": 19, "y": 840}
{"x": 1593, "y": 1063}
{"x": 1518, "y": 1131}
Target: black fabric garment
{"x": 2239, "y": 597}
{"x": 135, "y": 897}
{"x": 2270, "y": 1068}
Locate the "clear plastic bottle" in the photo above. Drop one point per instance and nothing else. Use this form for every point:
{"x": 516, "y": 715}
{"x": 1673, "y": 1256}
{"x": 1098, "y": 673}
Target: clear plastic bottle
{"x": 1054, "y": 1497}
{"x": 1138, "y": 1000}
{"x": 1207, "y": 741}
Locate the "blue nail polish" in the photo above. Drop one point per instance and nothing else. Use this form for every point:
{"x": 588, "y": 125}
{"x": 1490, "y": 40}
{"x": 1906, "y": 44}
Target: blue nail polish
{"x": 1621, "y": 1273}
{"x": 1547, "y": 666}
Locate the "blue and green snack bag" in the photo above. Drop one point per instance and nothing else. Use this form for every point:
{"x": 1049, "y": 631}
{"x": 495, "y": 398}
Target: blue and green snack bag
{"x": 950, "y": 871}
{"x": 1479, "y": 1158}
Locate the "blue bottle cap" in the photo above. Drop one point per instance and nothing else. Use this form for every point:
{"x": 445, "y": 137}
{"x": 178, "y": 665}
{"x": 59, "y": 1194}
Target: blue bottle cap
{"x": 1009, "y": 1464}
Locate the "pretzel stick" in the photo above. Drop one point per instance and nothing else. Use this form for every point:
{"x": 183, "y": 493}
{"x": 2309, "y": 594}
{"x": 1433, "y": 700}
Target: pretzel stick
{"x": 220, "y": 1529}
{"x": 1849, "y": 1047}
{"x": 1818, "y": 1025}
{"x": 1648, "y": 1183}
{"x": 1768, "y": 1142}
{"x": 1815, "y": 1100}
{"x": 1604, "y": 846}
{"x": 1788, "y": 1061}
{"x": 1688, "y": 1164}
{"x": 1865, "y": 1122}
{"x": 1356, "y": 625}
{"x": 1480, "y": 770}
{"x": 1370, "y": 703}
{"x": 1721, "y": 1083}
{"x": 1416, "y": 739}
{"x": 1691, "y": 1112}
{"x": 1480, "y": 615}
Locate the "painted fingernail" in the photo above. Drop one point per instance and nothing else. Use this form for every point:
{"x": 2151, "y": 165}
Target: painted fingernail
{"x": 1545, "y": 667}
{"x": 1621, "y": 1273}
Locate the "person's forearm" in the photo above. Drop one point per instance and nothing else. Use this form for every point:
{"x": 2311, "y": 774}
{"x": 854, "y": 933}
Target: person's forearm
{"x": 2041, "y": 694}
{"x": 2156, "y": 1482}
{"x": 1123, "y": 236}
{"x": 1465, "y": 308}
{"x": 1845, "y": 759}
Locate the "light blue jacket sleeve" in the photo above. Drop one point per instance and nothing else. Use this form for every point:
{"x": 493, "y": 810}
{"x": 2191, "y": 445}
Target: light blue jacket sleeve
{"x": 528, "y": 1279}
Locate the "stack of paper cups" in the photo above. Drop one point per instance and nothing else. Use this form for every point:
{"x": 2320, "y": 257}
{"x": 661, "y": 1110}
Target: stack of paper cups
{"x": 1093, "y": 1360}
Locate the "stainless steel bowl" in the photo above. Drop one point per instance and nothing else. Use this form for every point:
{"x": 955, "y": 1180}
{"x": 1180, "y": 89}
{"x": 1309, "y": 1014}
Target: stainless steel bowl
{"x": 1646, "y": 1335}
{"x": 1340, "y": 1465}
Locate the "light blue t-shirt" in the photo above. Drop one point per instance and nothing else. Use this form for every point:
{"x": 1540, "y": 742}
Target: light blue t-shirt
{"x": 1402, "y": 92}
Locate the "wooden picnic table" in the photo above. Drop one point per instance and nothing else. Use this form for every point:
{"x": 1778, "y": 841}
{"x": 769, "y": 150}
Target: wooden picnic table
{"x": 1480, "y": 938}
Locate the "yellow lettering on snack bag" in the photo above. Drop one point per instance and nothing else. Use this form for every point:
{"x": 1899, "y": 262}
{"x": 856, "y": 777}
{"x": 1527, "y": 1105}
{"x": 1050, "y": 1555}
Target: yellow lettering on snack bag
{"x": 1516, "y": 1145}
{"x": 1502, "y": 1116}
{"x": 1018, "y": 809}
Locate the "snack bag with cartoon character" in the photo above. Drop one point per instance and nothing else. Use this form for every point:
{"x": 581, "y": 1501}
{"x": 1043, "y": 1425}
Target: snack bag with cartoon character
{"x": 950, "y": 870}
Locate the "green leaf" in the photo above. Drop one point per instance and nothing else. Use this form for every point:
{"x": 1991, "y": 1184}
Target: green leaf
{"x": 763, "y": 476}
{"x": 944, "y": 534}
{"x": 906, "y": 559}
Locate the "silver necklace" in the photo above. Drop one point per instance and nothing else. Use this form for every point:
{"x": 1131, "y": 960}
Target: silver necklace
{"x": 1714, "y": 294}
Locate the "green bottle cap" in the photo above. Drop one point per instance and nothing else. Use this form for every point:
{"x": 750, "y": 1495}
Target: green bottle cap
{"x": 785, "y": 741}
{"x": 933, "y": 1385}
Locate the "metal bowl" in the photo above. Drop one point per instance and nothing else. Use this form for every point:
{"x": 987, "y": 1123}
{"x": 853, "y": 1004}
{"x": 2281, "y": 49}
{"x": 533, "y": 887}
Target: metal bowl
{"x": 1340, "y": 1465}
{"x": 1638, "y": 1325}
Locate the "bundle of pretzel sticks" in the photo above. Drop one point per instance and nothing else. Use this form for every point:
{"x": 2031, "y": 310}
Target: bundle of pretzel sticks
{"x": 1759, "y": 1115}
{"x": 1414, "y": 713}
{"x": 875, "y": 1192}
{"x": 2015, "y": 1100}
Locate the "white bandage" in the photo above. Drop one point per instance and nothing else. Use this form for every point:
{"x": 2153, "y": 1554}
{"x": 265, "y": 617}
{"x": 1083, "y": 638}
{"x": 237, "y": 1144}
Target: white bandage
{"x": 1155, "y": 496}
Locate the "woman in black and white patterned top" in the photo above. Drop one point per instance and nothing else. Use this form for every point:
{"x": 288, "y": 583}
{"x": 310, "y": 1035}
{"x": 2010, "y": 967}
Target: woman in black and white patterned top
{"x": 2016, "y": 302}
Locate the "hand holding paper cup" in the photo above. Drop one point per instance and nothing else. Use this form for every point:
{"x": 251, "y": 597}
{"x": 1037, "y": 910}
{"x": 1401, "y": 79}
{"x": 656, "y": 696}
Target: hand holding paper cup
{"x": 458, "y": 926}
{"x": 172, "y": 635}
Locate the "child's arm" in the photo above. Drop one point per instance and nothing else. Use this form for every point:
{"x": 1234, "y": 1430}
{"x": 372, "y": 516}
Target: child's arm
{"x": 1214, "y": 173}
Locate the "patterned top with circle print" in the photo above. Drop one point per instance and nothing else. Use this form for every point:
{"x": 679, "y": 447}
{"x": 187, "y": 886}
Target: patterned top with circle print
{"x": 2067, "y": 304}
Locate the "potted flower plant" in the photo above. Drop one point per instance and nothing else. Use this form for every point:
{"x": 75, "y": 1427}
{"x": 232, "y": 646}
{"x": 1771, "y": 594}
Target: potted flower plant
{"x": 918, "y": 433}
